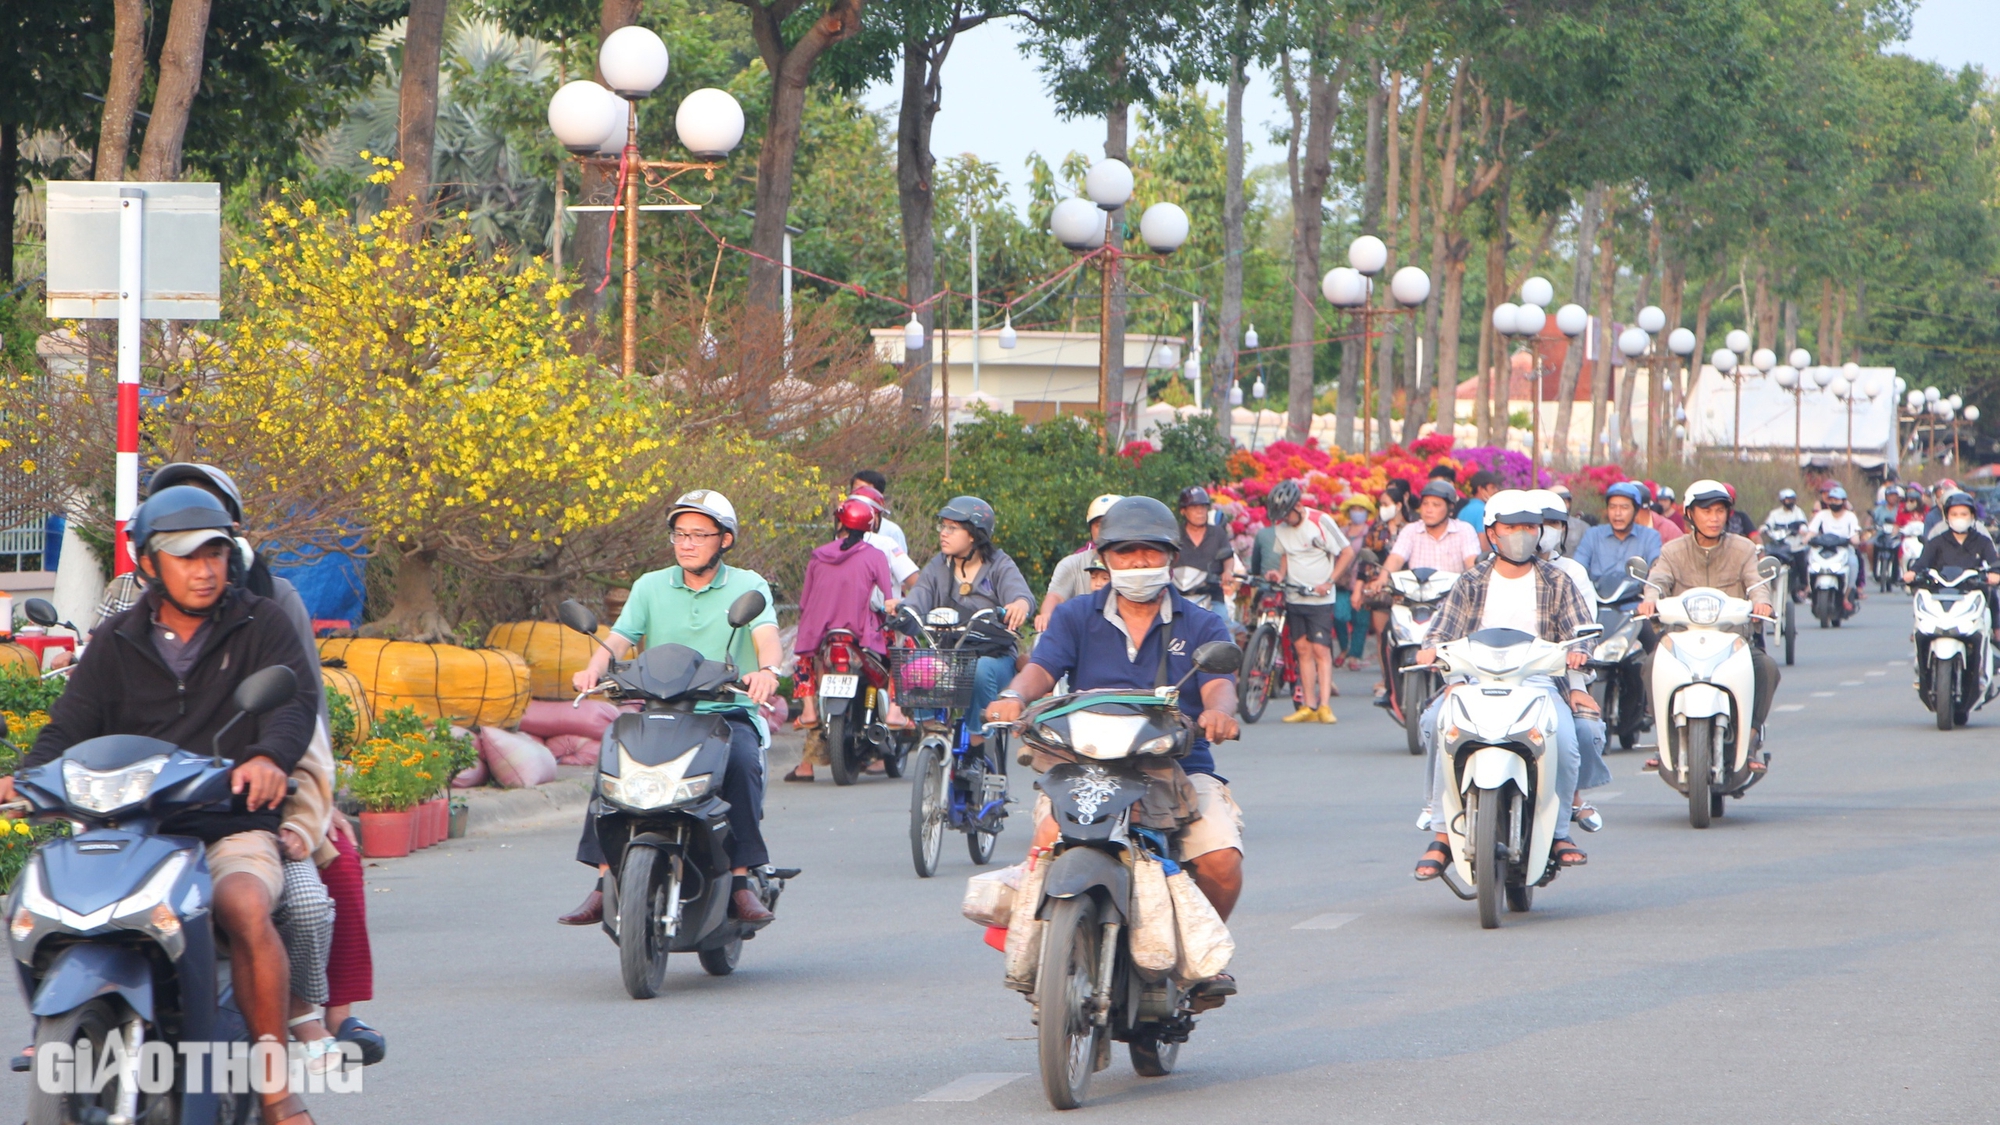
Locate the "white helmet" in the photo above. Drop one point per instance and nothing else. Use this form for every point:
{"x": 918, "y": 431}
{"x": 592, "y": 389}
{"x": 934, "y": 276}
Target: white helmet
{"x": 709, "y": 503}
{"x": 1553, "y": 506}
{"x": 1515, "y": 504}
{"x": 1101, "y": 505}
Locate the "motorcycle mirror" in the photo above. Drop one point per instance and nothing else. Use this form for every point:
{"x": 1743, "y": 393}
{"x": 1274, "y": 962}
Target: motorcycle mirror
{"x": 576, "y": 615}
{"x": 745, "y": 609}
{"x": 267, "y": 690}
{"x": 1588, "y": 632}
{"x": 1218, "y": 658}
{"x": 40, "y": 611}
{"x": 1769, "y": 568}
{"x": 1637, "y": 568}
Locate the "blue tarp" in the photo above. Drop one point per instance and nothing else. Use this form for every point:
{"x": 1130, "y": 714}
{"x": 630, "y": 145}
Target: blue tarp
{"x": 52, "y": 537}
{"x": 330, "y": 585}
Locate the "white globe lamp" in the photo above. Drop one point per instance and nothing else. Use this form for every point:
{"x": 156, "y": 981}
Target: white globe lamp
{"x": 633, "y": 61}
{"x": 709, "y": 123}
{"x": 1799, "y": 358}
{"x": 1109, "y": 183}
{"x": 1786, "y": 375}
{"x": 1077, "y": 224}
{"x": 1529, "y": 320}
{"x": 1537, "y": 291}
{"x": 1368, "y": 255}
{"x": 584, "y": 115}
{"x": 1652, "y": 319}
{"x": 1504, "y": 317}
{"x": 1572, "y": 320}
{"x": 1681, "y": 342}
{"x": 1724, "y": 360}
{"x": 1344, "y": 287}
{"x": 1634, "y": 341}
{"x": 1410, "y": 286}
{"x": 1737, "y": 341}
{"x": 1163, "y": 228}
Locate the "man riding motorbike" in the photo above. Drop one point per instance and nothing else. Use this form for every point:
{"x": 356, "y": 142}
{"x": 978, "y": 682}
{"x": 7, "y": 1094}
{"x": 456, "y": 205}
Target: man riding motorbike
{"x": 1069, "y": 579}
{"x": 1204, "y": 547}
{"x": 1776, "y": 536}
{"x": 688, "y": 604}
{"x": 845, "y": 580}
{"x": 1838, "y": 518}
{"x": 1605, "y": 547}
{"x": 1436, "y": 541}
{"x": 1139, "y": 633}
{"x": 1710, "y": 556}
{"x": 1962, "y": 545}
{"x": 168, "y": 668}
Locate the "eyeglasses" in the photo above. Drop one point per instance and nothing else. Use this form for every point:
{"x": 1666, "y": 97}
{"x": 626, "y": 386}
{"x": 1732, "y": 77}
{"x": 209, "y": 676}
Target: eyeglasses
{"x": 693, "y": 536}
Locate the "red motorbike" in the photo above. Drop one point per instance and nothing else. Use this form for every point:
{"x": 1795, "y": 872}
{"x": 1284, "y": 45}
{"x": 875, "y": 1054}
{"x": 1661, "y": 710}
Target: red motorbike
{"x": 851, "y": 687}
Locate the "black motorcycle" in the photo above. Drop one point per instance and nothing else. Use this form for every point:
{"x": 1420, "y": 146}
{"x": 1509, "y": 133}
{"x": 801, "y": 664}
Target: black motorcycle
{"x": 1618, "y": 658}
{"x": 112, "y": 927}
{"x": 1088, "y": 990}
{"x": 659, "y": 814}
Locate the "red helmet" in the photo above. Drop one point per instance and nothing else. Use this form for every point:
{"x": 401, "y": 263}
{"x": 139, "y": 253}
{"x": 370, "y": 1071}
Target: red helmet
{"x": 868, "y": 492}
{"x": 856, "y": 514}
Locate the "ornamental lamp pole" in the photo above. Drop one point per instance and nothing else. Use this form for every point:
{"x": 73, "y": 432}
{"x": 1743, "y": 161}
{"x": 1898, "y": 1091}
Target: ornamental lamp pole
{"x": 1681, "y": 343}
{"x": 1350, "y": 287}
{"x": 1572, "y": 321}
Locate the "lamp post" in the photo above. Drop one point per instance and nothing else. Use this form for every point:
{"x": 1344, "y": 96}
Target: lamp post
{"x": 586, "y": 118}
{"x": 1526, "y": 321}
{"x": 1724, "y": 362}
{"x": 1350, "y": 287}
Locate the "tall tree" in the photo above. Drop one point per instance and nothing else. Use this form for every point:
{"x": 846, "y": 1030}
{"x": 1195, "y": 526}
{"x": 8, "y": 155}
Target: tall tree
{"x": 121, "y": 99}
{"x": 1312, "y": 78}
{"x": 416, "y": 111}
{"x": 1235, "y": 207}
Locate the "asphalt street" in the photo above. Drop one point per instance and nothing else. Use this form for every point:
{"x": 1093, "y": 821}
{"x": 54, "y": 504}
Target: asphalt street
{"x": 1825, "y": 953}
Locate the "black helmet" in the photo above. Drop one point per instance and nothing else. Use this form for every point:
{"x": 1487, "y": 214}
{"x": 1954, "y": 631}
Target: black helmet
{"x": 176, "y": 509}
{"x": 1442, "y": 489}
{"x": 1194, "y": 494}
{"x": 1959, "y": 500}
{"x": 971, "y": 511}
{"x": 199, "y": 475}
{"x": 1283, "y": 498}
{"x": 1139, "y": 519}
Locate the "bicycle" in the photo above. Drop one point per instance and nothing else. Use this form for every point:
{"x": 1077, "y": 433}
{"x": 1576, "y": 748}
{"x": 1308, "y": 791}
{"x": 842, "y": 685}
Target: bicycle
{"x": 1267, "y": 656}
{"x": 955, "y": 784}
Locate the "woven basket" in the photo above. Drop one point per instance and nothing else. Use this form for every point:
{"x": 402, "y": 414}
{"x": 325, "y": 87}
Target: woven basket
{"x": 472, "y": 687}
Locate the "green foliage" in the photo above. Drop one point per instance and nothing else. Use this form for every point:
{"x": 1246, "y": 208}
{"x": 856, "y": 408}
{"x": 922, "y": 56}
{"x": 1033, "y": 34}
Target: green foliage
{"x": 343, "y": 722}
{"x": 22, "y": 691}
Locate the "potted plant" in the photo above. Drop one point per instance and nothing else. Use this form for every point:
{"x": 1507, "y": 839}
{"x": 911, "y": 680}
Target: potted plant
{"x": 381, "y": 775}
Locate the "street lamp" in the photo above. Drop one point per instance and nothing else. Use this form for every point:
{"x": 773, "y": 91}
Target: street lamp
{"x": 1724, "y": 362}
{"x": 585, "y": 118}
{"x": 1632, "y": 343}
{"x": 1349, "y": 287}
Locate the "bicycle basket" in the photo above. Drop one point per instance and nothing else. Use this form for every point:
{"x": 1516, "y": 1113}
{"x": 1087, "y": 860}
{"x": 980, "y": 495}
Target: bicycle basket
{"x": 933, "y": 677}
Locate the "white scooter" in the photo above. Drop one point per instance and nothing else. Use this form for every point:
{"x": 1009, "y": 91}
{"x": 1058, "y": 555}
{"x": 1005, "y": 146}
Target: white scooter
{"x": 1496, "y": 735}
{"x": 1955, "y": 658}
{"x": 1827, "y": 561}
{"x": 1417, "y": 594}
{"x": 1704, "y": 690}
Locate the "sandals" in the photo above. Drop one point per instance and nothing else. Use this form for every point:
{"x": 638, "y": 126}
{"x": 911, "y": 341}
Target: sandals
{"x": 374, "y": 1048}
{"x": 1213, "y": 992}
{"x": 795, "y": 775}
{"x": 322, "y": 1054}
{"x": 288, "y": 1109}
{"x": 1433, "y": 863}
{"x": 1567, "y": 854}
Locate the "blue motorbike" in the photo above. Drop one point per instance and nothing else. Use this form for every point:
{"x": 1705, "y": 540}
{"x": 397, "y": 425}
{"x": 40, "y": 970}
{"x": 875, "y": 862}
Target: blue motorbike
{"x": 956, "y": 784}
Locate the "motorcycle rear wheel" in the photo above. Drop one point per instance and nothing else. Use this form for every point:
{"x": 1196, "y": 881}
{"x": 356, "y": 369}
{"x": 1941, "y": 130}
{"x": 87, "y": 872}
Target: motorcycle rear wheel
{"x": 1257, "y": 672}
{"x": 1153, "y": 1058}
{"x": 96, "y": 1022}
{"x": 1824, "y": 608}
{"x": 1067, "y": 1037}
{"x": 721, "y": 961}
{"x": 1698, "y": 752}
{"x": 840, "y": 745}
{"x": 1944, "y": 692}
{"x": 1489, "y": 870}
{"x": 1416, "y": 696}
{"x": 927, "y": 804}
{"x": 642, "y": 941}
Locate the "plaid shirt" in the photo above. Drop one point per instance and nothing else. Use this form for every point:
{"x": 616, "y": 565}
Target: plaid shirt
{"x": 120, "y": 594}
{"x": 1559, "y": 609}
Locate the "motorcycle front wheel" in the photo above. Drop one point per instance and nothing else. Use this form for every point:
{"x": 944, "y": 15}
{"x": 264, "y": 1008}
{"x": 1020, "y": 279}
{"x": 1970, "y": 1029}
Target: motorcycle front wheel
{"x": 1416, "y": 697}
{"x": 1257, "y": 672}
{"x": 1944, "y": 692}
{"x": 927, "y": 804}
{"x": 1825, "y": 607}
{"x": 1699, "y": 755}
{"x": 1489, "y": 870}
{"x": 642, "y": 940}
{"x": 96, "y": 1023}
{"x": 1068, "y": 1037}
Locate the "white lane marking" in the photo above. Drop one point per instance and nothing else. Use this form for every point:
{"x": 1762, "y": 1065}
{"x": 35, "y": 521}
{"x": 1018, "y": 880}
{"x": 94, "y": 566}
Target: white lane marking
{"x": 1791, "y": 706}
{"x": 1875, "y": 672}
{"x": 1824, "y": 694}
{"x": 1326, "y": 922}
{"x": 1609, "y": 795}
{"x": 1850, "y": 683}
{"x": 1896, "y": 663}
{"x": 970, "y": 1088}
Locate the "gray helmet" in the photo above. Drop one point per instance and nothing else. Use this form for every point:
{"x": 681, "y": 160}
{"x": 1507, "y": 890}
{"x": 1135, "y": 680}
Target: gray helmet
{"x": 971, "y": 511}
{"x": 1441, "y": 489}
{"x": 1960, "y": 500}
{"x": 170, "y": 514}
{"x": 1140, "y": 519}
{"x": 200, "y": 475}
{"x": 1284, "y": 496}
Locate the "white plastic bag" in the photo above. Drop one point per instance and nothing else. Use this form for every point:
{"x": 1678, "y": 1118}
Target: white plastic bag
{"x": 1155, "y": 944}
{"x": 1024, "y": 930}
{"x": 1205, "y": 944}
{"x": 989, "y": 895}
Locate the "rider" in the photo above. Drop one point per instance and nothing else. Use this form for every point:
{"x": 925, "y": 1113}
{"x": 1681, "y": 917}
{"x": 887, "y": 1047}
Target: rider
{"x": 1115, "y": 639}
{"x": 1312, "y": 553}
{"x": 871, "y": 485}
{"x": 168, "y": 668}
{"x": 847, "y": 586}
{"x": 1069, "y": 580}
{"x": 970, "y": 574}
{"x": 1776, "y": 535}
{"x": 1605, "y": 547}
{"x": 901, "y": 568}
{"x": 1436, "y": 541}
{"x": 688, "y": 604}
{"x": 1592, "y": 772}
{"x": 1963, "y": 544}
{"x": 1838, "y": 518}
{"x": 1204, "y": 547}
{"x": 1514, "y": 588}
{"x": 1710, "y": 556}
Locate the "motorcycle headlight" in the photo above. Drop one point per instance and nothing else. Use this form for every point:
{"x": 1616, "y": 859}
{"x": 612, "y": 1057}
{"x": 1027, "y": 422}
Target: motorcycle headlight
{"x": 147, "y": 908}
{"x": 103, "y": 791}
{"x": 652, "y": 787}
{"x": 1105, "y": 737}
{"x": 1613, "y": 650}
{"x": 1702, "y": 609}
{"x": 1161, "y": 745}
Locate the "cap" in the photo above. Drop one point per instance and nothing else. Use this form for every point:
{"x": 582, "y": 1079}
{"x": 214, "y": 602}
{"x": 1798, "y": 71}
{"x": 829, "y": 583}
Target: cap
{"x": 1440, "y": 489}
{"x": 185, "y": 543}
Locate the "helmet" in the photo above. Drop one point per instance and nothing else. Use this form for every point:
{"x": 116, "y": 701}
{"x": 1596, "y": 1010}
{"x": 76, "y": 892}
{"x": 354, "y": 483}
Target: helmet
{"x": 864, "y": 491}
{"x": 1102, "y": 505}
{"x": 1356, "y": 500}
{"x": 1552, "y": 505}
{"x": 1785, "y": 494}
{"x": 1947, "y": 486}
{"x": 178, "y": 519}
{"x": 1140, "y": 519}
{"x": 1513, "y": 506}
{"x": 1095, "y": 561}
{"x": 1704, "y": 492}
{"x": 1441, "y": 489}
{"x": 971, "y": 511}
{"x": 856, "y": 514}
{"x": 1194, "y": 494}
{"x": 199, "y": 475}
{"x": 1666, "y": 493}
{"x": 1959, "y": 500}
{"x": 1836, "y": 493}
{"x": 1630, "y": 490}
{"x": 707, "y": 502}
{"x": 1283, "y": 498}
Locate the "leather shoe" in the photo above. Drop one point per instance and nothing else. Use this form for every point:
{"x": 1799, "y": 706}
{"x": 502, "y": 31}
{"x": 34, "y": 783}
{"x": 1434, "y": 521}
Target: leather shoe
{"x": 745, "y": 906}
{"x": 589, "y": 913}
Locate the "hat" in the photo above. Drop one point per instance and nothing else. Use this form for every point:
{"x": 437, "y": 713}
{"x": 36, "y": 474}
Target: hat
{"x": 1513, "y": 506}
{"x": 1440, "y": 489}
{"x": 185, "y": 543}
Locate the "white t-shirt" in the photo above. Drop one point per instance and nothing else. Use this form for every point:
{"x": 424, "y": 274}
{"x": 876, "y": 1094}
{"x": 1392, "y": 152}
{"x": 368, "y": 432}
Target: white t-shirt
{"x": 1581, "y": 578}
{"x": 900, "y": 564}
{"x": 1310, "y": 551}
{"x": 894, "y": 532}
{"x": 1510, "y": 603}
{"x": 1845, "y": 524}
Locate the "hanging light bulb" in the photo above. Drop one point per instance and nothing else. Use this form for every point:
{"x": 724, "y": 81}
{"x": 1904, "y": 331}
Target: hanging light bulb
{"x": 913, "y": 335}
{"x": 1008, "y": 337}
{"x": 1250, "y": 340}
{"x": 1257, "y": 388}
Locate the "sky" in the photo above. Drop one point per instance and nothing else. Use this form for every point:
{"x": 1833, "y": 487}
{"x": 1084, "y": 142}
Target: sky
{"x": 986, "y": 70}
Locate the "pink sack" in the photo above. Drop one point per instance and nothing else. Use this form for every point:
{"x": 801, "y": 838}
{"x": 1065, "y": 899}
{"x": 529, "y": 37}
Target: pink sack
{"x": 547, "y": 718}
{"x": 472, "y": 777}
{"x": 517, "y": 760}
{"x": 574, "y": 749}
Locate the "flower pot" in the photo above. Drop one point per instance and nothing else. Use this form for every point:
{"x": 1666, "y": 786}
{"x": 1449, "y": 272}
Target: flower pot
{"x": 416, "y": 828}
{"x": 386, "y": 835}
{"x": 440, "y": 817}
{"x": 459, "y": 815}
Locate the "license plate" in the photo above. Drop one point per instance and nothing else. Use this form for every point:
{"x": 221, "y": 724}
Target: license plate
{"x": 839, "y": 687}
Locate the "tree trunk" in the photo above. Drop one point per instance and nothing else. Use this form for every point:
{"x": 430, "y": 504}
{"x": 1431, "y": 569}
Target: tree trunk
{"x": 789, "y": 68}
{"x": 1766, "y": 326}
{"x": 1118, "y": 426}
{"x": 1310, "y": 171}
{"x": 1825, "y": 334}
{"x": 416, "y": 106}
{"x": 1235, "y": 208}
{"x": 121, "y": 98}
{"x": 914, "y": 192}
{"x": 1839, "y": 348}
{"x": 1451, "y": 309}
{"x": 1703, "y": 305}
{"x": 414, "y": 614}
{"x": 1579, "y": 294}
{"x": 179, "y": 82}
{"x": 1418, "y": 410}
{"x": 593, "y": 228}
{"x": 1860, "y": 316}
{"x": 10, "y": 171}
{"x": 1607, "y": 278}
{"x": 1441, "y": 312}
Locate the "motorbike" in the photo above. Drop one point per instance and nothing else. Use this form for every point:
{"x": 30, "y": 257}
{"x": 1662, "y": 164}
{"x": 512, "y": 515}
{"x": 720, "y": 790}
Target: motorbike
{"x": 1886, "y": 554}
{"x": 1704, "y": 689}
{"x": 112, "y": 927}
{"x": 1193, "y": 583}
{"x": 1415, "y": 596}
{"x": 1496, "y": 741}
{"x": 1617, "y": 658}
{"x": 957, "y": 785}
{"x": 657, "y": 805}
{"x": 1785, "y": 541}
{"x": 1827, "y": 558}
{"x": 851, "y": 687}
{"x": 1088, "y": 990}
{"x": 1955, "y": 661}
{"x": 1910, "y": 546}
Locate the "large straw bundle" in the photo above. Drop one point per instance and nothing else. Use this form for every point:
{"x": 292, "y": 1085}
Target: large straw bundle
{"x": 470, "y": 686}
{"x": 19, "y": 656}
{"x": 344, "y": 682}
{"x": 555, "y": 653}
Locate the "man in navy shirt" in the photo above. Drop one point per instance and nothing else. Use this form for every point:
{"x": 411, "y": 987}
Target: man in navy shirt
{"x": 1113, "y": 639}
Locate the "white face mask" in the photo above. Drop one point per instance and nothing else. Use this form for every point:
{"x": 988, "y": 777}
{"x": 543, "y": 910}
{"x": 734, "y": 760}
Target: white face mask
{"x": 1551, "y": 543}
{"x": 1517, "y": 546}
{"x": 1960, "y": 524}
{"x": 1140, "y": 584}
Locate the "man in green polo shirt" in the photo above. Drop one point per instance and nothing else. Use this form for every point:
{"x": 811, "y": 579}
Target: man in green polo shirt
{"x": 688, "y": 605}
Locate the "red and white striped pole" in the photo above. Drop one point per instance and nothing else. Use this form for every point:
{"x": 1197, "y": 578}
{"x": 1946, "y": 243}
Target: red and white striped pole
{"x": 131, "y": 265}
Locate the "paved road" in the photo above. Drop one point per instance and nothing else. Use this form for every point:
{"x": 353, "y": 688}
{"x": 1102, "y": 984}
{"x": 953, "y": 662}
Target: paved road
{"x": 1825, "y": 953}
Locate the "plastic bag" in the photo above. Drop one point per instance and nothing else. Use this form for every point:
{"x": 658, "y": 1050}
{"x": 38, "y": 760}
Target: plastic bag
{"x": 1024, "y": 930}
{"x": 1154, "y": 941}
{"x": 989, "y": 895}
{"x": 1205, "y": 944}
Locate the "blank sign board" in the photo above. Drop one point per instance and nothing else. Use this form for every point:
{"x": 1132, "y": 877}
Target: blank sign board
{"x": 182, "y": 250}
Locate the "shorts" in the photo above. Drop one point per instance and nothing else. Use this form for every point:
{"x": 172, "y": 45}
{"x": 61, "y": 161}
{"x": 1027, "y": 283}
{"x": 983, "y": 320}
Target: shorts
{"x": 1311, "y": 622}
{"x": 251, "y": 853}
{"x": 1218, "y": 825}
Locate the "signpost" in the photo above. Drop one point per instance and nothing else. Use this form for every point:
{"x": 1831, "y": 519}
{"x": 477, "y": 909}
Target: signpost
{"x": 133, "y": 251}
